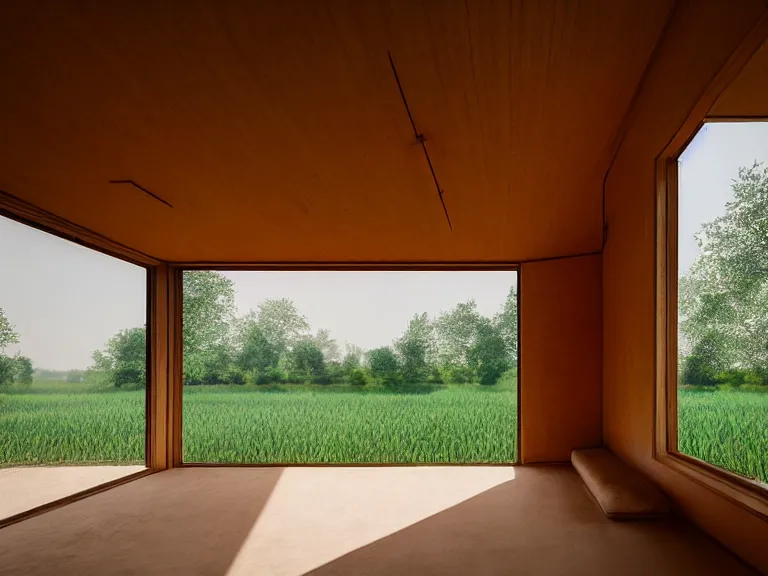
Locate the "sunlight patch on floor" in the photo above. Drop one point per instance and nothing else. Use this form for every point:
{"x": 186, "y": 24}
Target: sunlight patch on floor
{"x": 316, "y": 515}
{"x": 24, "y": 488}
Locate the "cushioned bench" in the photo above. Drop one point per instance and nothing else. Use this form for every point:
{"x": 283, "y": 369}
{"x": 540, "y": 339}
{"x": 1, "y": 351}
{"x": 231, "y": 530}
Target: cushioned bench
{"x": 622, "y": 492}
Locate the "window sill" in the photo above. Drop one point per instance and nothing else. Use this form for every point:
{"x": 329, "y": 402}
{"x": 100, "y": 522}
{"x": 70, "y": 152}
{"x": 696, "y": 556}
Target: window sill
{"x": 749, "y": 494}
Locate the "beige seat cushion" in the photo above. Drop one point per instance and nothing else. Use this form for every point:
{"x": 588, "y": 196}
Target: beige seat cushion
{"x": 622, "y": 492}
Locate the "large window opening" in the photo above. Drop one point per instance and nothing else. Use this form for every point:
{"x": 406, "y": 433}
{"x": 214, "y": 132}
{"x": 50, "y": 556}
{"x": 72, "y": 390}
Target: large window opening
{"x": 350, "y": 367}
{"x": 722, "y": 257}
{"x": 72, "y": 368}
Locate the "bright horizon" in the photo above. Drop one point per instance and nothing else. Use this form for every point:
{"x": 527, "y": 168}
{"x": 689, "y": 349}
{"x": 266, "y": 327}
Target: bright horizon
{"x": 66, "y": 301}
{"x": 376, "y": 305}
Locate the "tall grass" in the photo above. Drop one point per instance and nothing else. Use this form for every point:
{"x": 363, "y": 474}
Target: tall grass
{"x": 725, "y": 428}
{"x": 74, "y": 424}
{"x": 465, "y": 424}
{"x": 60, "y": 423}
{"x": 45, "y": 426}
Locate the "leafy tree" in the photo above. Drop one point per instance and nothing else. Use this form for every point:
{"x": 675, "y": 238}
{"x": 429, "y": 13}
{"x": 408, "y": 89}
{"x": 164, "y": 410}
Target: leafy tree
{"x": 7, "y": 370}
{"x": 457, "y": 374}
{"x": 306, "y": 361}
{"x": 705, "y": 361}
{"x": 8, "y": 333}
{"x": 456, "y": 333}
{"x": 353, "y": 358}
{"x": 335, "y": 372}
{"x": 101, "y": 361}
{"x": 733, "y": 377}
{"x": 281, "y": 323}
{"x": 384, "y": 365}
{"x": 123, "y": 361}
{"x": 488, "y": 356}
{"x": 208, "y": 314}
{"x": 327, "y": 346}
{"x": 434, "y": 376}
{"x": 100, "y": 371}
{"x": 234, "y": 375}
{"x": 352, "y": 365}
{"x": 271, "y": 375}
{"x": 215, "y": 366}
{"x": 257, "y": 352}
{"x": 356, "y": 377}
{"x": 17, "y": 368}
{"x": 506, "y": 321}
{"x": 24, "y": 372}
{"x": 415, "y": 348}
{"x": 725, "y": 292}
{"x": 697, "y": 371}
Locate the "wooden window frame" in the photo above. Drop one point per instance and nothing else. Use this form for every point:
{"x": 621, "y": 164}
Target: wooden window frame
{"x": 157, "y": 374}
{"x": 176, "y": 271}
{"x": 741, "y": 490}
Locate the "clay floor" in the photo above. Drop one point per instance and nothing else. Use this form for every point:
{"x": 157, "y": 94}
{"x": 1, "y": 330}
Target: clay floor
{"x": 291, "y": 521}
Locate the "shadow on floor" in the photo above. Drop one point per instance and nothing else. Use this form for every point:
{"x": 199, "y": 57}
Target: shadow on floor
{"x": 166, "y": 523}
{"x": 316, "y": 515}
{"x": 354, "y": 521}
{"x": 544, "y": 523}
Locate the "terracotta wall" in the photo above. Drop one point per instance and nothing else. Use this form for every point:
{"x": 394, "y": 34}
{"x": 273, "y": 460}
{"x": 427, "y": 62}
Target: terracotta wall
{"x": 560, "y": 335}
{"x": 701, "y": 37}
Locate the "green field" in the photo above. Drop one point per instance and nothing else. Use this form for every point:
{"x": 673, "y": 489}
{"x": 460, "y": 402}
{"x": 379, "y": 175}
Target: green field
{"x": 459, "y": 424}
{"x": 65, "y": 423}
{"x": 290, "y": 424}
{"x": 60, "y": 423}
{"x": 725, "y": 428}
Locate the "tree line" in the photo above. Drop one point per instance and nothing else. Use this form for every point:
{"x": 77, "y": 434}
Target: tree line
{"x": 723, "y": 299}
{"x": 275, "y": 344}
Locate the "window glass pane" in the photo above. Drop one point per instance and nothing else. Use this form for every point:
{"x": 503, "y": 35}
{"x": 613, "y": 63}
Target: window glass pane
{"x": 72, "y": 367}
{"x": 379, "y": 367}
{"x": 723, "y": 298}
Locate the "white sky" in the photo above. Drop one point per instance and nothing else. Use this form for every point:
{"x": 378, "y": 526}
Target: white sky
{"x": 371, "y": 309}
{"x": 707, "y": 168}
{"x": 66, "y": 300}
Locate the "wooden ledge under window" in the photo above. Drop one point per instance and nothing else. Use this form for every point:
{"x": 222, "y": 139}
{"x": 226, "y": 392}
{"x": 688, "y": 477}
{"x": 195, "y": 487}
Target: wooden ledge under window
{"x": 745, "y": 492}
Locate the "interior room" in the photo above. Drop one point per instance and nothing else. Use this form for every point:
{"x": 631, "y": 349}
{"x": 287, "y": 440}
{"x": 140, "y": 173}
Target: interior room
{"x": 384, "y": 287}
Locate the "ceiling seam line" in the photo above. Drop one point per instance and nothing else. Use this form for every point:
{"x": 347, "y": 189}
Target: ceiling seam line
{"x": 139, "y": 187}
{"x": 421, "y": 140}
{"x": 623, "y": 127}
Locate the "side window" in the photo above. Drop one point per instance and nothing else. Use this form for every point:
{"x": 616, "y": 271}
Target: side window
{"x": 722, "y": 256}
{"x": 72, "y": 368}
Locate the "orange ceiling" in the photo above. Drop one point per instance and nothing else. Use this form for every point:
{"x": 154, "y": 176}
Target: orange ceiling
{"x": 277, "y": 133}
